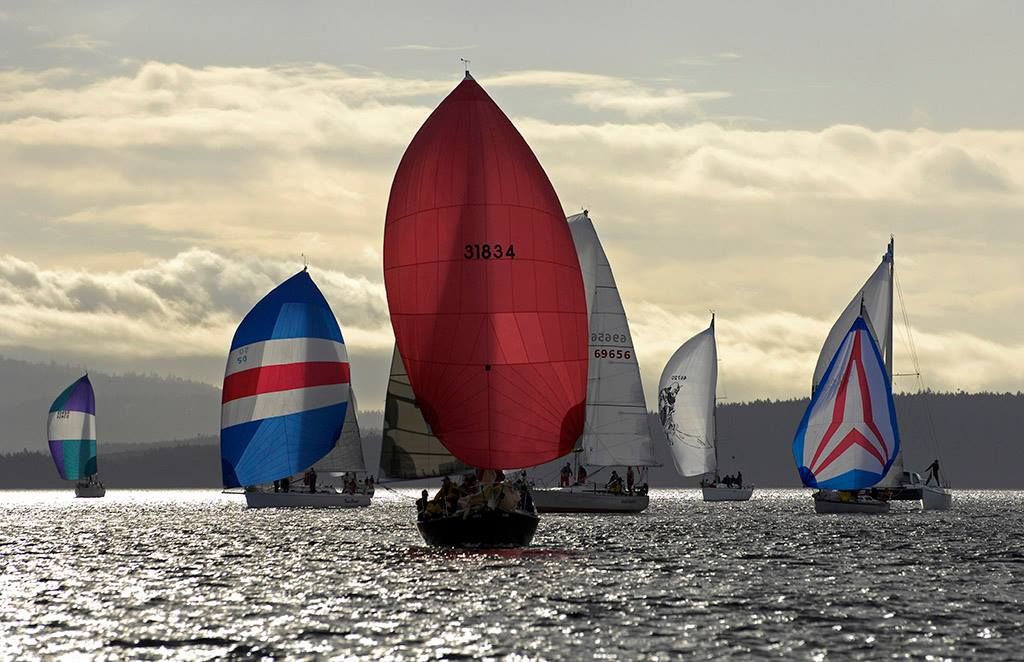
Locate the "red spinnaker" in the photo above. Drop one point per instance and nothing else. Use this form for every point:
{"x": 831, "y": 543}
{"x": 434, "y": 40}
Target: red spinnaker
{"x": 484, "y": 289}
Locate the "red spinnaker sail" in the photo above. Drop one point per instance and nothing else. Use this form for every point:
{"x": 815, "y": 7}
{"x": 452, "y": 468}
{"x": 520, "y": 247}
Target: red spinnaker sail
{"x": 484, "y": 289}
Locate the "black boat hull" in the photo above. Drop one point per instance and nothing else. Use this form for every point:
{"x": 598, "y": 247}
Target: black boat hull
{"x": 488, "y": 528}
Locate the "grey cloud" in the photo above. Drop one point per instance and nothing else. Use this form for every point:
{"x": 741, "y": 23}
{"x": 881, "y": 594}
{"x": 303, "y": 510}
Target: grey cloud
{"x": 183, "y": 306}
{"x": 426, "y": 48}
{"x": 955, "y": 168}
{"x": 77, "y": 42}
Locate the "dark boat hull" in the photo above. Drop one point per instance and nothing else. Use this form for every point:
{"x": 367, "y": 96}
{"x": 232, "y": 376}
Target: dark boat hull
{"x": 489, "y": 528}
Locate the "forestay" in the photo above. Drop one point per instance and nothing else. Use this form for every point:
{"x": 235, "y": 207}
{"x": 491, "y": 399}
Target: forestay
{"x": 286, "y": 386}
{"x": 686, "y": 403}
{"x": 616, "y": 431}
{"x": 347, "y": 454}
{"x": 71, "y": 430}
{"x": 849, "y": 437}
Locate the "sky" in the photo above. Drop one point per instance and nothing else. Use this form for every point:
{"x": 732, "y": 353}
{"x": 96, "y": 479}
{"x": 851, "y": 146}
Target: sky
{"x": 164, "y": 164}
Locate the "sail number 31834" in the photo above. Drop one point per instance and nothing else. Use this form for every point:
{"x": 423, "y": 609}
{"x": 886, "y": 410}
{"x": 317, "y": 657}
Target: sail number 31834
{"x": 488, "y": 251}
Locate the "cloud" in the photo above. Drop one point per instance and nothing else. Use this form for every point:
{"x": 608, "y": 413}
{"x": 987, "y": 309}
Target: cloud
{"x": 638, "y": 102}
{"x": 773, "y": 354}
{"x": 599, "y": 92}
{"x": 708, "y": 60}
{"x": 77, "y": 42}
{"x": 19, "y": 80}
{"x": 188, "y": 306}
{"x": 423, "y": 47}
{"x": 185, "y": 306}
{"x": 843, "y": 162}
{"x": 180, "y": 193}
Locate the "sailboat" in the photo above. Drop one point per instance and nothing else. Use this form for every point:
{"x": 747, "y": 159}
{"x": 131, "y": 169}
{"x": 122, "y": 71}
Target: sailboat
{"x": 285, "y": 398}
{"x": 616, "y": 432}
{"x": 71, "y": 431}
{"x": 489, "y": 313}
{"x": 848, "y": 438}
{"x": 874, "y": 302}
{"x": 686, "y": 406}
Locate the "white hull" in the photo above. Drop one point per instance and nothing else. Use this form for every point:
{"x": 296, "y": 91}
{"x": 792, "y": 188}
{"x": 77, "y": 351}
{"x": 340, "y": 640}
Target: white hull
{"x": 305, "y": 500}
{"x": 833, "y": 503}
{"x": 90, "y": 491}
{"x": 936, "y": 498}
{"x": 727, "y": 493}
{"x": 587, "y": 500}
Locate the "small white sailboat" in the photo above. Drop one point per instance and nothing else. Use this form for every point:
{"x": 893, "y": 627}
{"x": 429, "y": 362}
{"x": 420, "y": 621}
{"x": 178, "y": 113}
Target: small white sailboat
{"x": 615, "y": 432}
{"x": 285, "y": 400}
{"x": 71, "y": 432}
{"x": 686, "y": 406}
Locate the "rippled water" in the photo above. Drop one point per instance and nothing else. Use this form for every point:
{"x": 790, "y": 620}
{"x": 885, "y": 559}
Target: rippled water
{"x": 194, "y": 574}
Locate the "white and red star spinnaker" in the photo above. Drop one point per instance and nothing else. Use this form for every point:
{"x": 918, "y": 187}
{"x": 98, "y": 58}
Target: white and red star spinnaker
{"x": 849, "y": 437}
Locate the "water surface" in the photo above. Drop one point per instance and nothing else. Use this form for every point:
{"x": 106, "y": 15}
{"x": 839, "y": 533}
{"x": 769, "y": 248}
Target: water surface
{"x": 193, "y": 574}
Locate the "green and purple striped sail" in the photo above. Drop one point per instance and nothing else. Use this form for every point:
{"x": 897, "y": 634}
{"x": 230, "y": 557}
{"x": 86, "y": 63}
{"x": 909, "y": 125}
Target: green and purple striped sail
{"x": 71, "y": 429}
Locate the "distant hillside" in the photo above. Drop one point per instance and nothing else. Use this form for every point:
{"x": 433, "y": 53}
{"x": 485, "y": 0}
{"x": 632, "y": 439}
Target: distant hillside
{"x": 187, "y": 463}
{"x": 131, "y": 408}
{"x": 141, "y": 416}
{"x": 979, "y": 440}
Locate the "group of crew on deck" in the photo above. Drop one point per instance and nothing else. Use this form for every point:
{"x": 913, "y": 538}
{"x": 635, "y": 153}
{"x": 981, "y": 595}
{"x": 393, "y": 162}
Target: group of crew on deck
{"x": 615, "y": 484}
{"x": 350, "y": 484}
{"x": 735, "y": 482}
{"x": 479, "y": 490}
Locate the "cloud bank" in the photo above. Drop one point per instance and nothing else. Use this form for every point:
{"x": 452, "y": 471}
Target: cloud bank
{"x": 175, "y": 195}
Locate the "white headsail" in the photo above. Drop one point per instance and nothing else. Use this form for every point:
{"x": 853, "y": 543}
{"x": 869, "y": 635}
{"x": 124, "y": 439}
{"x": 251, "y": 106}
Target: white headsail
{"x": 876, "y": 295}
{"x": 686, "y": 403}
{"x": 616, "y": 431}
{"x": 347, "y": 455}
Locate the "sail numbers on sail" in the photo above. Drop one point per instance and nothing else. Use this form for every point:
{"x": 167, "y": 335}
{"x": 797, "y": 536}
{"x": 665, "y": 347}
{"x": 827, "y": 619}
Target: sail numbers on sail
{"x": 487, "y": 252}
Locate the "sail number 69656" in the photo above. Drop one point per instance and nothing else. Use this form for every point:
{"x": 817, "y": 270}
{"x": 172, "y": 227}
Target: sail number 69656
{"x": 612, "y": 354}
{"x": 488, "y": 251}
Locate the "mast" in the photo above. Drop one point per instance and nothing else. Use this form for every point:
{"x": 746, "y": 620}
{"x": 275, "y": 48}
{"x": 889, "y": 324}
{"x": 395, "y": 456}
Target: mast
{"x": 714, "y": 416}
{"x": 890, "y": 257}
{"x": 714, "y": 404}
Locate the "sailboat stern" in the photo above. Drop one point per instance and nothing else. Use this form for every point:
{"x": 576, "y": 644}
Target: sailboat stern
{"x": 481, "y": 529}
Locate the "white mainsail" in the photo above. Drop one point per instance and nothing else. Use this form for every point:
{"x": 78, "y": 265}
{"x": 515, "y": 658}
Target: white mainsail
{"x": 347, "y": 454}
{"x": 686, "y": 403}
{"x": 876, "y": 297}
{"x": 616, "y": 431}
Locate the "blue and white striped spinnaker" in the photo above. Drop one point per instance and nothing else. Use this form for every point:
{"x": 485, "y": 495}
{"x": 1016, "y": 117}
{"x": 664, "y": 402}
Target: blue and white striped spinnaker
{"x": 286, "y": 386}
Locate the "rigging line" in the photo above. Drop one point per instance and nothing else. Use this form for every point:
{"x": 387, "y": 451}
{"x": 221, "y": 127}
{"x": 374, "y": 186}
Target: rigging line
{"x": 917, "y": 368}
